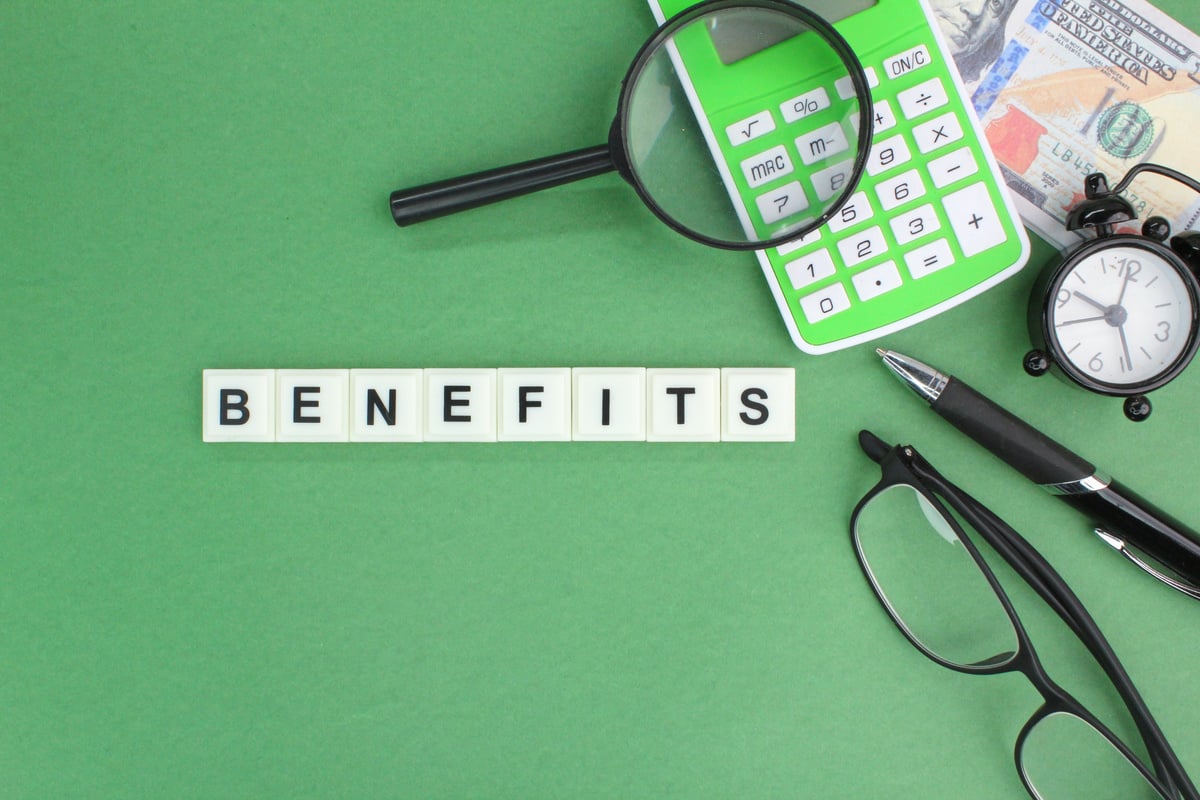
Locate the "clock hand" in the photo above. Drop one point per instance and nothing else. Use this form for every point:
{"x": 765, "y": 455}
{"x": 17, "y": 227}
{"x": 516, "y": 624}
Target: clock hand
{"x": 1124, "y": 285}
{"x": 1125, "y": 345}
{"x": 1087, "y": 299}
{"x": 1077, "y": 321}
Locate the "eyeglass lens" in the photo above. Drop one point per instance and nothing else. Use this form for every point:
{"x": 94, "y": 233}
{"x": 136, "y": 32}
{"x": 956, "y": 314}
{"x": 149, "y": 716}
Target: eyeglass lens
{"x": 930, "y": 582}
{"x": 1063, "y": 756}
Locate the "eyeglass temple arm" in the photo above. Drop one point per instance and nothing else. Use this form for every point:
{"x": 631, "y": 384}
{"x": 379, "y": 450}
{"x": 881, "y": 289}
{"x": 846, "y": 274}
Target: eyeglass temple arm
{"x": 1045, "y": 580}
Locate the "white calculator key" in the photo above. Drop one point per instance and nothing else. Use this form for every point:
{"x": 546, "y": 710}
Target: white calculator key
{"x": 797, "y": 244}
{"x": 912, "y": 225}
{"x": 750, "y": 128}
{"x": 906, "y": 62}
{"x": 891, "y": 152}
{"x": 782, "y": 202}
{"x": 929, "y": 259}
{"x": 862, "y": 246}
{"x": 832, "y": 180}
{"x": 884, "y": 116}
{"x": 845, "y": 87}
{"x": 810, "y": 268}
{"x": 857, "y": 209}
{"x": 937, "y": 132}
{"x": 805, "y": 105}
{"x": 899, "y": 190}
{"x": 922, "y": 98}
{"x": 826, "y": 141}
{"x": 951, "y": 167}
{"x": 824, "y": 303}
{"x": 766, "y": 167}
{"x": 880, "y": 279}
{"x": 974, "y": 219}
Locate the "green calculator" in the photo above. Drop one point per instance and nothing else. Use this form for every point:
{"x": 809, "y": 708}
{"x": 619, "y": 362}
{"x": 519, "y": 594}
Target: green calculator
{"x": 930, "y": 223}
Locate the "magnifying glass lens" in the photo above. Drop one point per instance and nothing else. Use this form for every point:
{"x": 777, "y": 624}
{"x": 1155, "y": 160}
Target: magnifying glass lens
{"x": 740, "y": 124}
{"x": 783, "y": 147}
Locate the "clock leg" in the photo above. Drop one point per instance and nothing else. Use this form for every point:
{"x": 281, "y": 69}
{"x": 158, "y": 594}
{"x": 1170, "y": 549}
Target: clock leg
{"x": 1137, "y": 408}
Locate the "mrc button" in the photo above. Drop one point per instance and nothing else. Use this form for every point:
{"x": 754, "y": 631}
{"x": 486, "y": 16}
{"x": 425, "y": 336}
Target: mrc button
{"x": 766, "y": 167}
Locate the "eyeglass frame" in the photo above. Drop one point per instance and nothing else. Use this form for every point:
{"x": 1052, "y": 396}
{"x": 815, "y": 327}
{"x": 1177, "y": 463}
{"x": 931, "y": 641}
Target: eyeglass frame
{"x": 903, "y": 465}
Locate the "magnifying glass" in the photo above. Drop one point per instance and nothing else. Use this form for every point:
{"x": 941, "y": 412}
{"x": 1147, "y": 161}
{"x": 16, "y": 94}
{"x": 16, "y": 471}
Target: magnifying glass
{"x": 742, "y": 124}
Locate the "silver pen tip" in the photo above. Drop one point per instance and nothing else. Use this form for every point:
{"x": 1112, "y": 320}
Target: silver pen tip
{"x": 918, "y": 376}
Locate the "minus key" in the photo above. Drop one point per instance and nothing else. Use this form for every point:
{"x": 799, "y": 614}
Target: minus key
{"x": 952, "y": 167}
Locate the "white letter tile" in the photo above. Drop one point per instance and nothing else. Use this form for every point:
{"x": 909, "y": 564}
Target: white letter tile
{"x": 313, "y": 405}
{"x": 386, "y": 405}
{"x": 534, "y": 405}
{"x": 609, "y": 404}
{"x": 683, "y": 405}
{"x": 460, "y": 405}
{"x": 239, "y": 405}
{"x": 759, "y": 405}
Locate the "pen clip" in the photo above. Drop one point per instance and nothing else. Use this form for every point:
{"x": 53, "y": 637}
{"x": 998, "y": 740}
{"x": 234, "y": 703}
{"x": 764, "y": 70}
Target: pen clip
{"x": 1121, "y": 547}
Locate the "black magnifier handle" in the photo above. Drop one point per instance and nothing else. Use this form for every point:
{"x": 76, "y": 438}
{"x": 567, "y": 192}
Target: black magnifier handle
{"x": 458, "y": 194}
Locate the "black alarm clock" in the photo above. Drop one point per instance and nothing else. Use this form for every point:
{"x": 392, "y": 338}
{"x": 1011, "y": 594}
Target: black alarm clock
{"x": 1119, "y": 314}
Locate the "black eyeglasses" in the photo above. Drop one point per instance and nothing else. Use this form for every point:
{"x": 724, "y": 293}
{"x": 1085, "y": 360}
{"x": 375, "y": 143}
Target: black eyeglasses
{"x": 910, "y": 537}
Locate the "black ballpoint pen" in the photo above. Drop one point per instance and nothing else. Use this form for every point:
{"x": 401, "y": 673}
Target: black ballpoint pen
{"x": 1124, "y": 520}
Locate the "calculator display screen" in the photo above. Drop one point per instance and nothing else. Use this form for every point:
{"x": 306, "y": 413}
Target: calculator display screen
{"x": 735, "y": 41}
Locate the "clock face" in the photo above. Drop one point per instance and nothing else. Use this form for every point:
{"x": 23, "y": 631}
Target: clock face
{"x": 1122, "y": 316}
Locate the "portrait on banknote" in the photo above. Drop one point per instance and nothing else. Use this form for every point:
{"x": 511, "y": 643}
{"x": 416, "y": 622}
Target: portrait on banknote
{"x": 975, "y": 31}
{"x": 1082, "y": 86}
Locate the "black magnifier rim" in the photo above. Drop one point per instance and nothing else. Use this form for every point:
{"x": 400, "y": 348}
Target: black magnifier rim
{"x": 618, "y": 139}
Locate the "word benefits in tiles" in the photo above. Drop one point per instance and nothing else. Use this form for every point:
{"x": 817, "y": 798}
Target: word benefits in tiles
{"x": 500, "y": 405}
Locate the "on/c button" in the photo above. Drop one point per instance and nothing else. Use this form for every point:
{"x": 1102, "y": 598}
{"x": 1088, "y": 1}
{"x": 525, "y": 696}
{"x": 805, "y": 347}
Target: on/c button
{"x": 906, "y": 62}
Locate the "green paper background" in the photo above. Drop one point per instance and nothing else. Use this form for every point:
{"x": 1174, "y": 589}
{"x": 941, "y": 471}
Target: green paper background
{"x": 194, "y": 185}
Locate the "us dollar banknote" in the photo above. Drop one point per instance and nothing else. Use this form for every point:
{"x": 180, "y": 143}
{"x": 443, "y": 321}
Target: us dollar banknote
{"x": 1065, "y": 88}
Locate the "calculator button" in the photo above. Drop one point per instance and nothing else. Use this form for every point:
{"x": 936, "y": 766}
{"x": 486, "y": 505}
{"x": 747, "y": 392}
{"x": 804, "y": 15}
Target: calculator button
{"x": 877, "y": 280}
{"x": 951, "y": 167}
{"x": 862, "y": 246}
{"x": 826, "y": 141}
{"x": 906, "y": 62}
{"x": 912, "y": 225}
{"x": 825, "y": 303}
{"x": 974, "y": 219}
{"x": 832, "y": 180}
{"x": 929, "y": 259}
{"x": 937, "y": 132}
{"x": 798, "y": 244}
{"x": 750, "y": 128}
{"x": 810, "y": 269}
{"x": 887, "y": 154}
{"x": 922, "y": 98}
{"x": 805, "y": 105}
{"x": 897, "y": 191}
{"x": 884, "y": 117}
{"x": 782, "y": 202}
{"x": 766, "y": 167}
{"x": 857, "y": 209}
{"x": 845, "y": 86}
